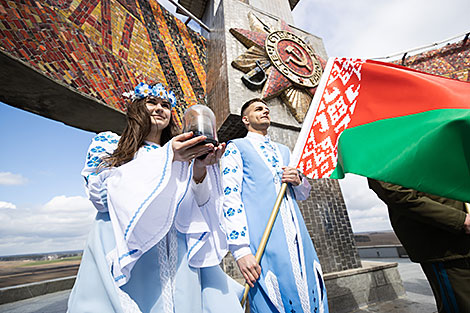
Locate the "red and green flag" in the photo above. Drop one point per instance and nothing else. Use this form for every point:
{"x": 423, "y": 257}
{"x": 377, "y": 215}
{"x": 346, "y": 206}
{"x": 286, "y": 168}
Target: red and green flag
{"x": 390, "y": 123}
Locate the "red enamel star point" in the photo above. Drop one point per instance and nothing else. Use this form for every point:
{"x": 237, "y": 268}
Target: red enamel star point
{"x": 294, "y": 69}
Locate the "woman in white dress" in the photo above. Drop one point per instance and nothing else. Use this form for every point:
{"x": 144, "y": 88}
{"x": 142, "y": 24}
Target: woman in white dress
{"x": 157, "y": 240}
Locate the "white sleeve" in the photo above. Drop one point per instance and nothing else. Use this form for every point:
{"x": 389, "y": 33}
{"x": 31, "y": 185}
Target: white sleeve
{"x": 234, "y": 210}
{"x": 201, "y": 219}
{"x": 95, "y": 172}
{"x": 302, "y": 191}
{"x": 239, "y": 251}
{"x": 201, "y": 191}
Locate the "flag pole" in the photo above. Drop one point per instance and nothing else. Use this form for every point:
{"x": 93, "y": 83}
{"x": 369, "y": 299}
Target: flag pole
{"x": 266, "y": 234}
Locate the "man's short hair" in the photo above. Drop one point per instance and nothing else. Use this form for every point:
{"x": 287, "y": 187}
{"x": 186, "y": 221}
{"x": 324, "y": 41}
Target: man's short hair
{"x": 250, "y": 102}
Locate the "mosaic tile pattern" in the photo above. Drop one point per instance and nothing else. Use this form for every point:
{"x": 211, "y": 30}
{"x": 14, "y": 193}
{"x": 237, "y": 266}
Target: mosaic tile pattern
{"x": 275, "y": 84}
{"x": 105, "y": 47}
{"x": 452, "y": 60}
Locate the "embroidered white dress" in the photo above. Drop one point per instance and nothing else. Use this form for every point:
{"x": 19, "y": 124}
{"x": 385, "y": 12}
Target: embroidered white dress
{"x": 291, "y": 278}
{"x": 157, "y": 240}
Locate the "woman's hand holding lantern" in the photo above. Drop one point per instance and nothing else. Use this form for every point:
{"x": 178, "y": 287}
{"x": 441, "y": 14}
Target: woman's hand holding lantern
{"x": 186, "y": 147}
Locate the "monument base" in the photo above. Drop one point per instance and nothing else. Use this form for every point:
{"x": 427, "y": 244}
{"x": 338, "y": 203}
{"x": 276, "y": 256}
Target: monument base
{"x": 349, "y": 290}
{"x": 352, "y": 289}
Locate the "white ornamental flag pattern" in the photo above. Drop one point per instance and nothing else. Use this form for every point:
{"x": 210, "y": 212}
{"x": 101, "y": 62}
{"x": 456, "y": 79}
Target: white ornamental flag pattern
{"x": 316, "y": 152}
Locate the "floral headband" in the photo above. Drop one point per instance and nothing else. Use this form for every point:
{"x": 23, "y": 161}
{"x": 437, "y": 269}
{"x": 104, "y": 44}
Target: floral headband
{"x": 144, "y": 90}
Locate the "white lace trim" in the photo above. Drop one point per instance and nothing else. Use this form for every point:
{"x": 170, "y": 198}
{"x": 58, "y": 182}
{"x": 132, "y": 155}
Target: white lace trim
{"x": 300, "y": 280}
{"x": 303, "y": 291}
{"x": 128, "y": 305}
{"x": 167, "y": 258}
{"x": 273, "y": 291}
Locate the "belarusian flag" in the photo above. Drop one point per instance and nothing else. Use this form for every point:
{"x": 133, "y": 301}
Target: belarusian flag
{"x": 390, "y": 123}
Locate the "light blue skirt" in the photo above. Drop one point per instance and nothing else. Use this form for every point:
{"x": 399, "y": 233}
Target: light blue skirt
{"x": 198, "y": 290}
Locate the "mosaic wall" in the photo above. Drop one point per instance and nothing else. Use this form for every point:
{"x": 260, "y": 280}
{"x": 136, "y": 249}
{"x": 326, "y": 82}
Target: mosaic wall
{"x": 105, "y": 47}
{"x": 452, "y": 60}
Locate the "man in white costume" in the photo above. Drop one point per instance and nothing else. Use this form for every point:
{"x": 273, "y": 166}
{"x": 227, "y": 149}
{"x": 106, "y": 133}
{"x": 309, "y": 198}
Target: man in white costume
{"x": 289, "y": 278}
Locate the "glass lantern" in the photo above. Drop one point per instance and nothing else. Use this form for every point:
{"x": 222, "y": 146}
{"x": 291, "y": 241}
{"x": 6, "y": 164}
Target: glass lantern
{"x": 201, "y": 121}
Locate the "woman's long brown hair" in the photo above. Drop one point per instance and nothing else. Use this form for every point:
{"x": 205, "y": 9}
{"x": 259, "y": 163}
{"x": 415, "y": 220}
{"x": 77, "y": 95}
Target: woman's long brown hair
{"x": 133, "y": 136}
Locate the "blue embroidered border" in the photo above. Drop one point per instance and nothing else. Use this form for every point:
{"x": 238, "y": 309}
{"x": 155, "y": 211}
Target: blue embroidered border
{"x": 198, "y": 241}
{"x": 127, "y": 254}
{"x": 216, "y": 175}
{"x": 119, "y": 277}
{"x": 187, "y": 186}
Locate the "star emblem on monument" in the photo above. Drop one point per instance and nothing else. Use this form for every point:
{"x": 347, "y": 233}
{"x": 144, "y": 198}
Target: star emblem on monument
{"x": 279, "y": 62}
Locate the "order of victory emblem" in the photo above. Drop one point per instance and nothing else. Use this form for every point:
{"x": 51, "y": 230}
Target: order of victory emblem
{"x": 293, "y": 58}
{"x": 279, "y": 62}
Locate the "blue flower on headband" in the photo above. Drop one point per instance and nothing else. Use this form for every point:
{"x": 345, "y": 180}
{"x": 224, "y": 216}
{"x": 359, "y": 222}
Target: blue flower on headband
{"x": 171, "y": 97}
{"x": 144, "y": 90}
{"x": 159, "y": 91}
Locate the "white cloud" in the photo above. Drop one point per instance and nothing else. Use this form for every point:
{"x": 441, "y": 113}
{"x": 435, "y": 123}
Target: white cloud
{"x": 7, "y": 205}
{"x": 61, "y": 224}
{"x": 380, "y": 223}
{"x": 366, "y": 211}
{"x": 64, "y": 204}
{"x": 7, "y": 178}
{"x": 374, "y": 212}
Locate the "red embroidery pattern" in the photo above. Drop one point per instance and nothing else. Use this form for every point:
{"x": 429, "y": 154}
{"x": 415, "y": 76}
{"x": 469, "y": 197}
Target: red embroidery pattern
{"x": 336, "y": 106}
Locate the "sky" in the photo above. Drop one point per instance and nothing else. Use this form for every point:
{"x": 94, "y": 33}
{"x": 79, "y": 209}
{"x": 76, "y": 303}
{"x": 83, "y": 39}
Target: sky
{"x": 43, "y": 204}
